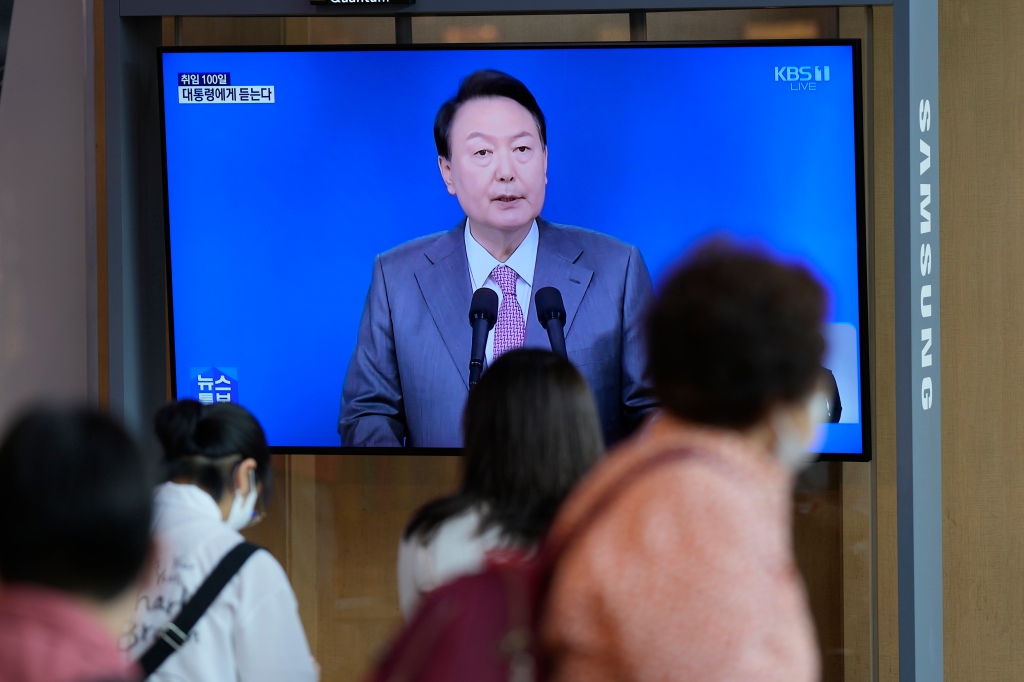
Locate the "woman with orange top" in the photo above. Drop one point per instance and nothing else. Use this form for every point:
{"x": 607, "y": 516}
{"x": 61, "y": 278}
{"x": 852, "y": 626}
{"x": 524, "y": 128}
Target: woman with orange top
{"x": 689, "y": 572}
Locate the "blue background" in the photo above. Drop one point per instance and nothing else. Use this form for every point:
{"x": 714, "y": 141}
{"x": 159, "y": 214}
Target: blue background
{"x": 277, "y": 210}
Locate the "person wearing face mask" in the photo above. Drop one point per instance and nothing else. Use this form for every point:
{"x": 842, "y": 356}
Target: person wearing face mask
{"x": 217, "y": 469}
{"x": 688, "y": 572}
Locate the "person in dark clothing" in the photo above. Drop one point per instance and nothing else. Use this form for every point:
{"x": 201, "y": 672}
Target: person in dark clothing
{"x": 75, "y": 545}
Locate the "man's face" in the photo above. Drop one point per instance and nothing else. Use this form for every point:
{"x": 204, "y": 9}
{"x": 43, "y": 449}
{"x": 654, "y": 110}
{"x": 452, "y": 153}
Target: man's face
{"x": 499, "y": 168}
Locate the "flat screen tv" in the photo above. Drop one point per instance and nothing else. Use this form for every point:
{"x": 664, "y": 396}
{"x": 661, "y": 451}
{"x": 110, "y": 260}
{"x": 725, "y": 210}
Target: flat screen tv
{"x": 289, "y": 171}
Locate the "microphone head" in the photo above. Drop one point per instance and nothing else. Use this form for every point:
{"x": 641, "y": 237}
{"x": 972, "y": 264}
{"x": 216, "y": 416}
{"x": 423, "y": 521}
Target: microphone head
{"x": 484, "y": 306}
{"x": 549, "y": 305}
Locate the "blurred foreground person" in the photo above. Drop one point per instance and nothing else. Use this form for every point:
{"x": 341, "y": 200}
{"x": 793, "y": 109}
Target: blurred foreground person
{"x": 689, "y": 573}
{"x": 531, "y": 430}
{"x": 75, "y": 515}
{"x": 217, "y": 464}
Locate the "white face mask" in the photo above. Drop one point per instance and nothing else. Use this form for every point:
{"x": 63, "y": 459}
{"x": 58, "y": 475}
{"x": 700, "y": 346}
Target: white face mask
{"x": 241, "y": 513}
{"x": 794, "y": 450}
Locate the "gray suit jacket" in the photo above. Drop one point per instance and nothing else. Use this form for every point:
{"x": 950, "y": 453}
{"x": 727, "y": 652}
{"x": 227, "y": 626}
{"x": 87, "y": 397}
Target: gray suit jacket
{"x": 409, "y": 375}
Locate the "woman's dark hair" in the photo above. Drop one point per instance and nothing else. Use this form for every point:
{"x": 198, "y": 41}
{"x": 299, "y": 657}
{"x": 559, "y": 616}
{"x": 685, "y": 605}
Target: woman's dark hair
{"x": 76, "y": 503}
{"x": 204, "y": 443}
{"x": 733, "y": 334}
{"x": 479, "y": 85}
{"x": 531, "y": 431}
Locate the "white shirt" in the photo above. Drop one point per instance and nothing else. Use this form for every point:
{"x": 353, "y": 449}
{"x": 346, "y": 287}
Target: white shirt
{"x": 250, "y": 633}
{"x": 456, "y": 549}
{"x": 523, "y": 261}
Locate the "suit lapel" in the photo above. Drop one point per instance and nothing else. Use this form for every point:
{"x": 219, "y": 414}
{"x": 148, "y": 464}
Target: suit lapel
{"x": 445, "y": 284}
{"x": 557, "y": 253}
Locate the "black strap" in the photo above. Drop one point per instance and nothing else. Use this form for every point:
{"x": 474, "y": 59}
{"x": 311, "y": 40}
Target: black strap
{"x": 173, "y": 636}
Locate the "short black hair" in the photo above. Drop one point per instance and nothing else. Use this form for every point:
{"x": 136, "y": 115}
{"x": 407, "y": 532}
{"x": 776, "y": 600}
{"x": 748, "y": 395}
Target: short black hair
{"x": 733, "y": 334}
{"x": 76, "y": 503}
{"x": 202, "y": 443}
{"x": 479, "y": 85}
{"x": 531, "y": 431}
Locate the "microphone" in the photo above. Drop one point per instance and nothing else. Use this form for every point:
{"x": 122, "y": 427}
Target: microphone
{"x": 551, "y": 313}
{"x": 483, "y": 312}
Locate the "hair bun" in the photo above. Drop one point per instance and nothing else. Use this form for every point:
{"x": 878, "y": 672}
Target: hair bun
{"x": 175, "y": 425}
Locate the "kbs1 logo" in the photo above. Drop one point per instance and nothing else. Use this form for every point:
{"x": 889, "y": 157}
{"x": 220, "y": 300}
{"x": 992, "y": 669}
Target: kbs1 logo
{"x": 802, "y": 77}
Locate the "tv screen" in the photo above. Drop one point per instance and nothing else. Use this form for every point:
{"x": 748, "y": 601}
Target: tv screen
{"x": 318, "y": 267}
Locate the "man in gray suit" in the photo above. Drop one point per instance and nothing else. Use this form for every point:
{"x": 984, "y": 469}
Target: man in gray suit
{"x": 408, "y": 378}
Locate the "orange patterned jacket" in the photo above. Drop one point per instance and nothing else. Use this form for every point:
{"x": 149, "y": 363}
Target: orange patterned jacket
{"x": 690, "y": 574}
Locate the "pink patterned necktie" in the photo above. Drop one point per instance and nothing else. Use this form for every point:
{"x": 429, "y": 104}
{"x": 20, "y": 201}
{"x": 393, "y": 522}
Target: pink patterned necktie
{"x": 510, "y": 330}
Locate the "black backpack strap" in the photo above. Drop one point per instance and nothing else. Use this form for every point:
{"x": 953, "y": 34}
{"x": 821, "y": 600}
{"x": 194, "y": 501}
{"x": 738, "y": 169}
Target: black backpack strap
{"x": 173, "y": 636}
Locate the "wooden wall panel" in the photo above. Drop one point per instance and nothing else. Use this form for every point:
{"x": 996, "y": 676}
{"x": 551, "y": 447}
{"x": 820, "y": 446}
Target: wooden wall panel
{"x": 334, "y": 524}
{"x": 526, "y": 29}
{"x": 371, "y": 499}
{"x": 818, "y": 545}
{"x": 339, "y": 30}
{"x": 232, "y": 31}
{"x": 882, "y": 278}
{"x": 981, "y": 107}
{"x": 857, "y": 555}
{"x": 758, "y": 24}
{"x": 858, "y": 513}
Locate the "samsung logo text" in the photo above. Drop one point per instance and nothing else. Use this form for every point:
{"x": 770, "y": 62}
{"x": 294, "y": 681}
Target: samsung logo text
{"x": 928, "y": 276}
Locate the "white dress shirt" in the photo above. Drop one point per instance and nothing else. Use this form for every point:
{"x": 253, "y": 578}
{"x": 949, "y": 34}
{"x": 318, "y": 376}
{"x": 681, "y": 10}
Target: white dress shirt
{"x": 456, "y": 548}
{"x": 250, "y": 633}
{"x": 523, "y": 261}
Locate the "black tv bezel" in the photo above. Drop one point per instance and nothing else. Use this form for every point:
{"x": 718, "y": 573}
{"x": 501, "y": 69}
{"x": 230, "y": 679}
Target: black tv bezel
{"x": 862, "y": 245}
